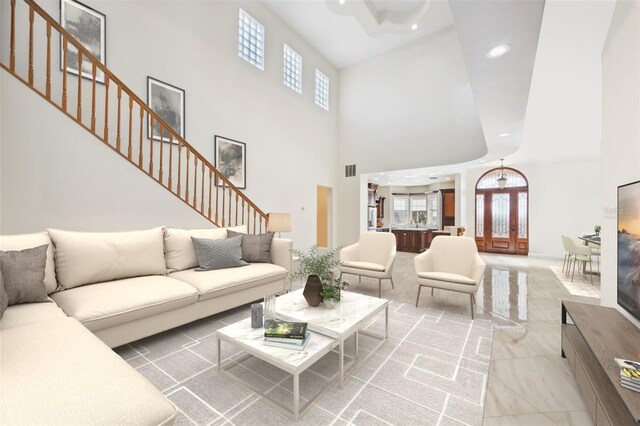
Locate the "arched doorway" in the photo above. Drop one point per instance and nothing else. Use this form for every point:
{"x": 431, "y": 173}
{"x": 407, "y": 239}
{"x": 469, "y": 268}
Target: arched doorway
{"x": 502, "y": 214}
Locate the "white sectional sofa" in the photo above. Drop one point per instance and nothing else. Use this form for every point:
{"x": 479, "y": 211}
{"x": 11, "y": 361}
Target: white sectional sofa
{"x": 118, "y": 287}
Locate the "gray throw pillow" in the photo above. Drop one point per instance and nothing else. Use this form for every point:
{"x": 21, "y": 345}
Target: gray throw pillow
{"x": 218, "y": 254}
{"x": 255, "y": 248}
{"x": 4, "y": 299}
{"x": 23, "y": 275}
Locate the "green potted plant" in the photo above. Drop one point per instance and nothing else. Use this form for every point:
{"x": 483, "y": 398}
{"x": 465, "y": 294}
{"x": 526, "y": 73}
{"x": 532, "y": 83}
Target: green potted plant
{"x": 332, "y": 291}
{"x": 317, "y": 268}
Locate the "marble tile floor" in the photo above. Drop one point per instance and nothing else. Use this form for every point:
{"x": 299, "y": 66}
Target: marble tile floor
{"x": 529, "y": 382}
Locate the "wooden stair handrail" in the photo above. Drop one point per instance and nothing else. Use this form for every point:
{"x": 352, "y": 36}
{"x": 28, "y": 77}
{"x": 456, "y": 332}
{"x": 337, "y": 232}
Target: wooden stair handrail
{"x": 85, "y": 55}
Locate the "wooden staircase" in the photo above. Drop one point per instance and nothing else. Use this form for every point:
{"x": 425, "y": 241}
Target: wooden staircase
{"x": 116, "y": 116}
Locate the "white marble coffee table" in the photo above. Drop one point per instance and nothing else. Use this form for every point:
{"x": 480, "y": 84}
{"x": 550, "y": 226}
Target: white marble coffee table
{"x": 350, "y": 316}
{"x": 250, "y": 340}
{"x": 328, "y": 328}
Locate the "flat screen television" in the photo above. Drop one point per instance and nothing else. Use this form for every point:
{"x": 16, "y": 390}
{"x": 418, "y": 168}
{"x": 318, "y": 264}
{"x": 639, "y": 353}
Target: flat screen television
{"x": 629, "y": 248}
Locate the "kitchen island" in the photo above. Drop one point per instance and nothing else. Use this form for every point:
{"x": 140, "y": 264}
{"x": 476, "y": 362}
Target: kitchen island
{"x": 415, "y": 240}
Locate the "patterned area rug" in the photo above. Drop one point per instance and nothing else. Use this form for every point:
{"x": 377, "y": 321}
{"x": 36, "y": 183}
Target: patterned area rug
{"x": 433, "y": 370}
{"x": 581, "y": 285}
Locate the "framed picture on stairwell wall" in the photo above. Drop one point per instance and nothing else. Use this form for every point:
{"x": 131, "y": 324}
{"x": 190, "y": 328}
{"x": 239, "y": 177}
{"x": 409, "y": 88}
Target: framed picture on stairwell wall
{"x": 231, "y": 160}
{"x": 89, "y": 27}
{"x": 168, "y": 102}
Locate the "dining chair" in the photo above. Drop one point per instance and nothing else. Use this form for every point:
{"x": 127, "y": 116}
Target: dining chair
{"x": 579, "y": 253}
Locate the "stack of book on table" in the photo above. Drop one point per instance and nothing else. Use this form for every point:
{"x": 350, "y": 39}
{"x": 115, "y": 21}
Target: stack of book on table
{"x": 286, "y": 334}
{"x": 629, "y": 374}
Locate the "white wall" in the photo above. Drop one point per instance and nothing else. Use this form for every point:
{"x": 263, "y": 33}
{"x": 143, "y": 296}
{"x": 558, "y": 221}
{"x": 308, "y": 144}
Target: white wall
{"x": 620, "y": 129}
{"x": 408, "y": 108}
{"x": 564, "y": 198}
{"x": 291, "y": 142}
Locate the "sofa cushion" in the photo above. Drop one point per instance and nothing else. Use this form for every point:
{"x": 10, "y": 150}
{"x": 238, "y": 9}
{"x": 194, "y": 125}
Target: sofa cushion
{"x": 217, "y": 283}
{"x": 219, "y": 254}
{"x": 28, "y": 313}
{"x": 104, "y": 305}
{"x": 90, "y": 257}
{"x": 446, "y": 277}
{"x": 179, "y": 251}
{"x": 25, "y": 241}
{"x": 363, "y": 265}
{"x": 23, "y": 275}
{"x": 58, "y": 373}
{"x": 255, "y": 248}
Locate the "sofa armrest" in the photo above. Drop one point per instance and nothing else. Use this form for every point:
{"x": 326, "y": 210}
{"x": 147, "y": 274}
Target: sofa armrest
{"x": 390, "y": 260}
{"x": 477, "y": 271}
{"x": 282, "y": 255}
{"x": 349, "y": 253}
{"x": 423, "y": 262}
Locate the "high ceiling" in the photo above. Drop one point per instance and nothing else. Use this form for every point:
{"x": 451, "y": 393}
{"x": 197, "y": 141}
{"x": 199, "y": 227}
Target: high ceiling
{"x": 351, "y": 31}
{"x": 348, "y": 33}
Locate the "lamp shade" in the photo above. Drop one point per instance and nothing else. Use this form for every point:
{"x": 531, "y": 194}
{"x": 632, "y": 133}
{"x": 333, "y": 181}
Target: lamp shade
{"x": 279, "y": 222}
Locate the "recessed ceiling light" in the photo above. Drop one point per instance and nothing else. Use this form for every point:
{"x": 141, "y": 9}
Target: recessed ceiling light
{"x": 448, "y": 178}
{"x": 342, "y": 1}
{"x": 375, "y": 178}
{"x": 497, "y": 51}
{"x": 382, "y": 173}
{"x": 502, "y": 135}
{"x": 481, "y": 161}
{"x": 432, "y": 174}
{"x": 413, "y": 27}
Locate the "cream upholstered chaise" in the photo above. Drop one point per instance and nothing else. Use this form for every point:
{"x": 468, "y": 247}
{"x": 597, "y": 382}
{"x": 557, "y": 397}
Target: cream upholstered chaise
{"x": 372, "y": 256}
{"x": 451, "y": 263}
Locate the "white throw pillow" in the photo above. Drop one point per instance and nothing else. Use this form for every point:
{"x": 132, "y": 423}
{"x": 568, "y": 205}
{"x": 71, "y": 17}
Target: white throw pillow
{"x": 180, "y": 253}
{"x": 92, "y": 257}
{"x": 27, "y": 241}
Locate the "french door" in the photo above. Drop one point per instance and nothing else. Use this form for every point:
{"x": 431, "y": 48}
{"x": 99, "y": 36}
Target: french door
{"x": 502, "y": 220}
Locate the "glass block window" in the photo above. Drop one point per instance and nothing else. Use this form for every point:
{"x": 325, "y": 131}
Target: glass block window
{"x": 322, "y": 90}
{"x": 250, "y": 40}
{"x": 522, "y": 214}
{"x": 400, "y": 210}
{"x": 480, "y": 215}
{"x": 490, "y": 180}
{"x": 292, "y": 69}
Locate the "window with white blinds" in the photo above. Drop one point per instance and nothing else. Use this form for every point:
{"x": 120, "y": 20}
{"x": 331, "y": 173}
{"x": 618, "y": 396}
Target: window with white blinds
{"x": 418, "y": 205}
{"x": 400, "y": 210}
{"x": 292, "y": 69}
{"x": 250, "y": 40}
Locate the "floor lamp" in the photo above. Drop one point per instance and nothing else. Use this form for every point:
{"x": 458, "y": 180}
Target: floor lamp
{"x": 279, "y": 222}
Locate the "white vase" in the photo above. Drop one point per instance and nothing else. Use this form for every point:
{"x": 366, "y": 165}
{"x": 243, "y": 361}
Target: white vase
{"x": 329, "y": 303}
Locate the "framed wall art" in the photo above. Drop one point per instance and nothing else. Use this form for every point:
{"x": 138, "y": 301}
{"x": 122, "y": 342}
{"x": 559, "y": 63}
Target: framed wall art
{"x": 89, "y": 27}
{"x": 231, "y": 160}
{"x": 168, "y": 102}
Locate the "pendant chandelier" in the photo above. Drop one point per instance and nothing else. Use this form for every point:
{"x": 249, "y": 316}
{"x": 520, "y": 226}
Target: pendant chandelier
{"x": 502, "y": 180}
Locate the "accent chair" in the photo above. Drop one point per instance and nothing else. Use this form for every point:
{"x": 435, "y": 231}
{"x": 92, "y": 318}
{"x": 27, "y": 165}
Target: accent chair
{"x": 451, "y": 263}
{"x": 372, "y": 256}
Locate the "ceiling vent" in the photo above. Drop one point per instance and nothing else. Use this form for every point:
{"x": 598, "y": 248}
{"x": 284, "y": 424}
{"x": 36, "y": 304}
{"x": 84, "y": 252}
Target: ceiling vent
{"x": 350, "y": 170}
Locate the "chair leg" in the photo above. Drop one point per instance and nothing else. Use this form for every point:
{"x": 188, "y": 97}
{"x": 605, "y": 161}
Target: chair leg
{"x": 393, "y": 287}
{"x": 379, "y": 287}
{"x": 574, "y": 269}
{"x": 359, "y": 278}
{"x": 591, "y": 271}
{"x": 418, "y": 297}
{"x": 432, "y": 291}
{"x": 341, "y": 276}
{"x": 472, "y": 310}
{"x": 564, "y": 260}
